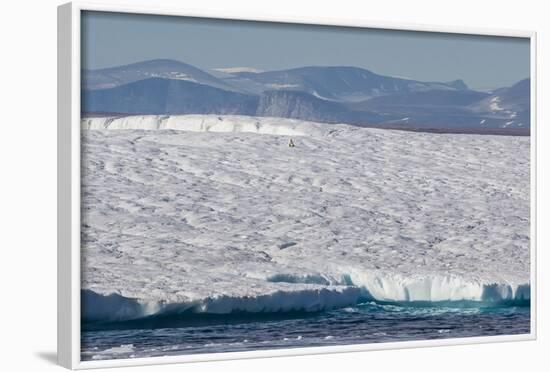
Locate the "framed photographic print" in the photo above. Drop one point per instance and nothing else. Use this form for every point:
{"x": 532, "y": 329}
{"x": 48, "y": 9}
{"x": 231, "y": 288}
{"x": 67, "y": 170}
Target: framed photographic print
{"x": 249, "y": 187}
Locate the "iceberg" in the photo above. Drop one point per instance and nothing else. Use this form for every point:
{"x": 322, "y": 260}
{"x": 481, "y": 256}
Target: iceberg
{"x": 209, "y": 214}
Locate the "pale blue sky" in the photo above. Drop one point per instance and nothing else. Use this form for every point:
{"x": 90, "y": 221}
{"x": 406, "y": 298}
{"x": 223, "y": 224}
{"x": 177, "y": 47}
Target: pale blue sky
{"x": 111, "y": 39}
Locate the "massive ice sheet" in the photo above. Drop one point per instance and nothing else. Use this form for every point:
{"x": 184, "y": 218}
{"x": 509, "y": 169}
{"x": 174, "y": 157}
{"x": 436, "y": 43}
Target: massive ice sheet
{"x": 184, "y": 219}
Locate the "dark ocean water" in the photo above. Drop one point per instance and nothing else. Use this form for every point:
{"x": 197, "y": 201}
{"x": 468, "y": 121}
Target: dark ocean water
{"x": 361, "y": 324}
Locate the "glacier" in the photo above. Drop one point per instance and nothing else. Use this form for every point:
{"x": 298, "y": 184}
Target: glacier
{"x": 216, "y": 214}
{"x": 198, "y": 123}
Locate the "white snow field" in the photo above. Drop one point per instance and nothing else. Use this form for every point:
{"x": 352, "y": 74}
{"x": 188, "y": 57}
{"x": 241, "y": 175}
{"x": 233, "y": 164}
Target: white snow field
{"x": 207, "y": 213}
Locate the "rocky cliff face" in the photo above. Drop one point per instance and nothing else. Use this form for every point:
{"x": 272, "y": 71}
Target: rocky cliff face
{"x": 299, "y": 105}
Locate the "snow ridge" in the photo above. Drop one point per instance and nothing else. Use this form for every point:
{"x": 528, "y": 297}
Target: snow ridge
{"x": 198, "y": 123}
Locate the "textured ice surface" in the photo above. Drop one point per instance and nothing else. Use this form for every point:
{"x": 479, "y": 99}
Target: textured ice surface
{"x": 184, "y": 219}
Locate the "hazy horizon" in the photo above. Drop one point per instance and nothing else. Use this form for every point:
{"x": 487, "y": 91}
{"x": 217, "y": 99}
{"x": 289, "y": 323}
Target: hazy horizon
{"x": 483, "y": 62}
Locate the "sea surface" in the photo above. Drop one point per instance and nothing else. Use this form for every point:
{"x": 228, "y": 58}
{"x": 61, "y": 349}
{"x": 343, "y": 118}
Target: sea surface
{"x": 362, "y": 324}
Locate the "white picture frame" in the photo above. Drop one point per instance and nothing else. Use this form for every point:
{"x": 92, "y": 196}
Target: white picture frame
{"x": 69, "y": 259}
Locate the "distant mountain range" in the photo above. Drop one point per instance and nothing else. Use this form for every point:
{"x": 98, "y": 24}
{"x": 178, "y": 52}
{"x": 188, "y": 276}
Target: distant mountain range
{"x": 325, "y": 94}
